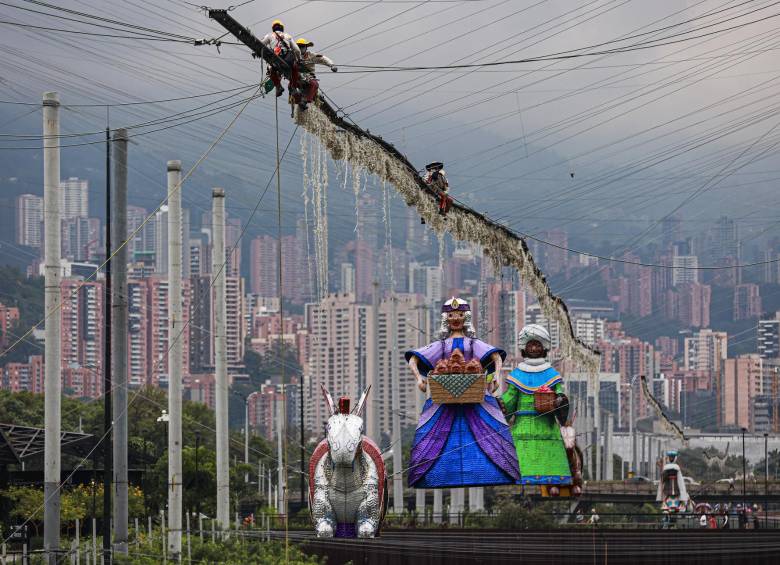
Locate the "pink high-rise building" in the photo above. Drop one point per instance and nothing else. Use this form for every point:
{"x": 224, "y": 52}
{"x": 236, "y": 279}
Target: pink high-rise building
{"x": 18, "y": 376}
{"x": 9, "y": 317}
{"x": 264, "y": 268}
{"x": 138, "y": 364}
{"x": 82, "y": 324}
{"x": 631, "y": 357}
{"x": 158, "y": 340}
{"x": 201, "y": 387}
{"x": 747, "y": 301}
{"x": 361, "y": 255}
{"x": 82, "y": 382}
{"x": 555, "y": 258}
{"x": 264, "y": 408}
{"x": 741, "y": 383}
{"x": 690, "y": 304}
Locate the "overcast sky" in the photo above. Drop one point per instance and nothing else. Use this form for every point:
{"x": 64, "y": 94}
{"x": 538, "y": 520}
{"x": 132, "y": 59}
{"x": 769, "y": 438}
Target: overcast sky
{"x": 686, "y": 124}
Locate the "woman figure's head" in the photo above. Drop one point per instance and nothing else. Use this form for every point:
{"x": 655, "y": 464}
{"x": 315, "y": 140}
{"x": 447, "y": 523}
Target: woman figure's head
{"x": 456, "y": 318}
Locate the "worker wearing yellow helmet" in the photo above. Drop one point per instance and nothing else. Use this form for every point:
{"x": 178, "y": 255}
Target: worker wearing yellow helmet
{"x": 287, "y": 51}
{"x": 309, "y": 82}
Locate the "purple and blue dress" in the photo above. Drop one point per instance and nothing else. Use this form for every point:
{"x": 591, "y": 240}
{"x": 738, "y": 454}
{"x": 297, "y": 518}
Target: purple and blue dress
{"x": 461, "y": 445}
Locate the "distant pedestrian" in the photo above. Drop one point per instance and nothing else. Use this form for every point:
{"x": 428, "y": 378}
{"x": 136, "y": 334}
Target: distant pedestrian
{"x": 594, "y": 517}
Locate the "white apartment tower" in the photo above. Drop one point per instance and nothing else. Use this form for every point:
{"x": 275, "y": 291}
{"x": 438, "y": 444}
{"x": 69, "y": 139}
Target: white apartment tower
{"x": 74, "y": 198}
{"x": 29, "y": 215}
{"x": 706, "y": 351}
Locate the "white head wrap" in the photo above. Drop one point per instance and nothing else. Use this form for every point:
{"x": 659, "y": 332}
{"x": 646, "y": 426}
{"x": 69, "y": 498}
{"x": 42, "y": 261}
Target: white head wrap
{"x": 537, "y": 332}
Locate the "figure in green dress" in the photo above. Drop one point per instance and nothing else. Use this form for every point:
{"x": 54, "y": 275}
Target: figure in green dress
{"x": 538, "y": 410}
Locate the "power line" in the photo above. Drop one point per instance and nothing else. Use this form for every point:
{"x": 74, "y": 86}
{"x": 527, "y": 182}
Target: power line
{"x": 138, "y": 103}
{"x": 44, "y": 28}
{"x": 554, "y": 57}
{"x": 108, "y": 20}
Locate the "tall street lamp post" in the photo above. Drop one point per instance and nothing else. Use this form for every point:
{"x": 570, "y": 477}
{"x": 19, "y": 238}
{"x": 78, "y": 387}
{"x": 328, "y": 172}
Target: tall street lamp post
{"x": 246, "y": 432}
{"x": 766, "y": 479}
{"x": 197, "y": 474}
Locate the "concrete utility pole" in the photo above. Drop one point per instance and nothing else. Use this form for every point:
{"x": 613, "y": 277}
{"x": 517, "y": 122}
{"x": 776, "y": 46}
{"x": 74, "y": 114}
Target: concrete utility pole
{"x": 281, "y": 484}
{"x": 175, "y": 352}
{"x": 608, "y": 447}
{"x": 119, "y": 340}
{"x": 372, "y": 369}
{"x": 108, "y": 407}
{"x": 438, "y": 503}
{"x": 220, "y": 347}
{"x": 395, "y": 393}
{"x": 596, "y": 391}
{"x": 53, "y": 330}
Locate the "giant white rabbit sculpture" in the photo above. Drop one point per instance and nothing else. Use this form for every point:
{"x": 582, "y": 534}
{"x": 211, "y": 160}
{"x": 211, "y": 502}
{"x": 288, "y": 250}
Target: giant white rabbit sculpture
{"x": 347, "y": 480}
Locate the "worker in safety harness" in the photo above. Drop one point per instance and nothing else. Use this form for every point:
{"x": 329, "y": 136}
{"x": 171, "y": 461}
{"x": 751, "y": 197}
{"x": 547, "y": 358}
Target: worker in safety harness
{"x": 284, "y": 48}
{"x": 309, "y": 82}
{"x": 436, "y": 179}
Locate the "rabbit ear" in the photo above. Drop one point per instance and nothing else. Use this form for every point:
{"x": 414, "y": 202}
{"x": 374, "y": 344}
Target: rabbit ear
{"x": 361, "y": 405}
{"x": 328, "y": 400}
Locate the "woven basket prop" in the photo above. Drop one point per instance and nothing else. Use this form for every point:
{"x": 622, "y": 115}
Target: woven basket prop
{"x": 454, "y": 381}
{"x": 544, "y": 400}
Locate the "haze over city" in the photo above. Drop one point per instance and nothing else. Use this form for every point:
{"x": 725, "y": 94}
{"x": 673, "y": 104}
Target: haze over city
{"x": 603, "y": 170}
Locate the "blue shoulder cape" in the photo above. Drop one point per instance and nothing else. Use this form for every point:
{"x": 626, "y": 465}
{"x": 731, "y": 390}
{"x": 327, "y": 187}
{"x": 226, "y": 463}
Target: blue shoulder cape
{"x": 529, "y": 383}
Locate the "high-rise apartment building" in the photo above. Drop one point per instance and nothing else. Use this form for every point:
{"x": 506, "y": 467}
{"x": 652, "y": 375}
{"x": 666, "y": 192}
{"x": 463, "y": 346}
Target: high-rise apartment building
{"x": 138, "y": 365}
{"x": 340, "y": 331}
{"x": 742, "y": 382}
{"x": 29, "y": 218}
{"x": 159, "y": 341}
{"x": 80, "y": 238}
{"x": 747, "y": 301}
{"x": 19, "y": 376}
{"x": 690, "y": 304}
{"x": 555, "y": 256}
{"x": 74, "y": 198}
{"x": 236, "y": 328}
{"x": 263, "y": 266}
{"x": 143, "y": 243}
{"x": 505, "y": 311}
{"x": 684, "y": 271}
{"x": 342, "y": 344}
{"x": 201, "y": 329}
{"x": 426, "y": 281}
{"x": 396, "y": 336}
{"x": 9, "y": 317}
{"x": 727, "y": 242}
{"x": 82, "y": 324}
{"x": 161, "y": 240}
{"x": 706, "y": 350}
{"x": 769, "y": 338}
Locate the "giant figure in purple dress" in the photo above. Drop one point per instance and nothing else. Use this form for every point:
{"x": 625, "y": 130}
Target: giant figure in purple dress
{"x": 460, "y": 445}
